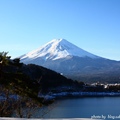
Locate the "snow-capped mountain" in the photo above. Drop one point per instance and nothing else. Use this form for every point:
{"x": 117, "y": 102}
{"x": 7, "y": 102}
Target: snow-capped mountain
{"x": 70, "y": 60}
{"x": 57, "y": 49}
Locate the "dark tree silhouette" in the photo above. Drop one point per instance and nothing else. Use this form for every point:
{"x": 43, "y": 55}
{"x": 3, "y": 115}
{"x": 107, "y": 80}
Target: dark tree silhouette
{"x": 17, "y": 89}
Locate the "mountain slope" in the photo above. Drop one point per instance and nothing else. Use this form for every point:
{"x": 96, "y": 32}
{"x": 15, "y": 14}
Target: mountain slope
{"x": 56, "y": 49}
{"x": 47, "y": 79}
{"x": 70, "y": 60}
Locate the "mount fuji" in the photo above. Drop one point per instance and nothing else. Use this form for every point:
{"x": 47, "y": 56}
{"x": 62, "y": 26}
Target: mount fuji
{"x": 71, "y": 61}
{"x": 57, "y": 49}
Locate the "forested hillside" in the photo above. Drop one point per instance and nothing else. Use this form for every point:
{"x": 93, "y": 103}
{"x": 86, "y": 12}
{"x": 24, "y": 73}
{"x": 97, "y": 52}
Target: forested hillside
{"x": 20, "y": 85}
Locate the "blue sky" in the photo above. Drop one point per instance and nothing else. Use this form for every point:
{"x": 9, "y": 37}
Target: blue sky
{"x": 93, "y": 25}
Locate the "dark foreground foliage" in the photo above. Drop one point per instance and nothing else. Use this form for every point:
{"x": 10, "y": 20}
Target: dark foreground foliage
{"x": 17, "y": 89}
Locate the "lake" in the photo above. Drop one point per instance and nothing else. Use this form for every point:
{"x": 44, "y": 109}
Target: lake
{"x": 86, "y": 107}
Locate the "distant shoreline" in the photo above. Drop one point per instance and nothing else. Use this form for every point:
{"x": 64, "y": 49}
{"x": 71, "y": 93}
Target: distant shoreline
{"x": 80, "y": 94}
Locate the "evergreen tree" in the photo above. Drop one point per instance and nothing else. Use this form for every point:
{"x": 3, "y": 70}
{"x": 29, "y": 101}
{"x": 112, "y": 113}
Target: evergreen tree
{"x": 14, "y": 82}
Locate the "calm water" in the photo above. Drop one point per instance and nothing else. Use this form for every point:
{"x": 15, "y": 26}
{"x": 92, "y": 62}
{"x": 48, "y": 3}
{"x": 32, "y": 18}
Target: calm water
{"x": 100, "y": 107}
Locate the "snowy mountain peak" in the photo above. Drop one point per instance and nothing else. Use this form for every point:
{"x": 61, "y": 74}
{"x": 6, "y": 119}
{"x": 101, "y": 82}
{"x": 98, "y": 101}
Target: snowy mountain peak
{"x": 58, "y": 40}
{"x": 56, "y": 49}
